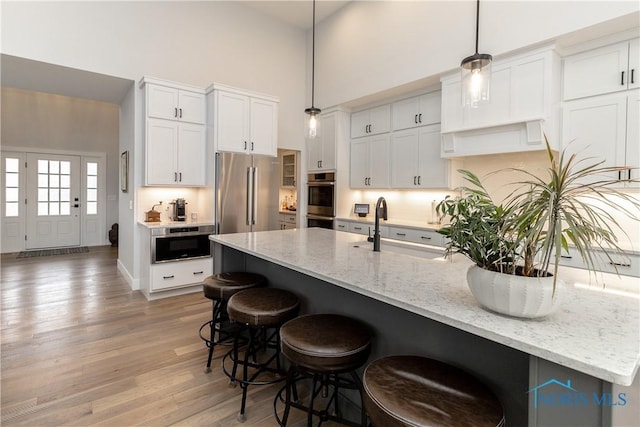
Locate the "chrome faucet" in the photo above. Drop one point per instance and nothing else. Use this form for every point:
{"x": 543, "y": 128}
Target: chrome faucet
{"x": 381, "y": 211}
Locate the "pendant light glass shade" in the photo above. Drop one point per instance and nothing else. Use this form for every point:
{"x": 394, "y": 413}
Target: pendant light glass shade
{"x": 475, "y": 73}
{"x": 312, "y": 121}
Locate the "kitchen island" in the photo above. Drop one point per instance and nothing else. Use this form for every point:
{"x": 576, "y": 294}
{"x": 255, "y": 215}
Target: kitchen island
{"x": 423, "y": 306}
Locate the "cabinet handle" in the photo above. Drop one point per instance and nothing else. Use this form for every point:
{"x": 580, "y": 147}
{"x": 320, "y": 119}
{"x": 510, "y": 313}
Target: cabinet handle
{"x": 181, "y": 113}
{"x": 401, "y": 234}
{"x": 419, "y": 180}
{"x": 175, "y": 112}
{"x": 195, "y": 273}
{"x": 414, "y": 180}
{"x": 340, "y": 226}
{"x": 320, "y": 163}
{"x": 420, "y": 118}
{"x": 175, "y": 176}
{"x": 620, "y": 264}
{"x": 619, "y": 175}
{"x": 425, "y": 238}
{"x": 357, "y": 228}
{"x": 251, "y": 145}
{"x": 180, "y": 176}
{"x": 632, "y": 80}
{"x": 622, "y": 79}
{"x": 566, "y": 256}
{"x": 629, "y": 174}
{"x": 168, "y": 277}
{"x": 415, "y": 119}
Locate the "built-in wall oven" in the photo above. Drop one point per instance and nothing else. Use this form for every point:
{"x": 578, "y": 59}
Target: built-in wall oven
{"x": 321, "y": 199}
{"x": 180, "y": 243}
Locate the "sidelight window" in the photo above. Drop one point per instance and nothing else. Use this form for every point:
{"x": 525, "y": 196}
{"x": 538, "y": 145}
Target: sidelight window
{"x": 11, "y": 187}
{"x": 92, "y": 188}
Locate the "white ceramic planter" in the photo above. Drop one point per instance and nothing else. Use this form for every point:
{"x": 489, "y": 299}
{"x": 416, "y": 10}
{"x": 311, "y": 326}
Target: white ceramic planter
{"x": 518, "y": 296}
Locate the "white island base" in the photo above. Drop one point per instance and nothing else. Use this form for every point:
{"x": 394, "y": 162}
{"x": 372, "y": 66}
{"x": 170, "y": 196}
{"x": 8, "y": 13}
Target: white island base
{"x": 570, "y": 369}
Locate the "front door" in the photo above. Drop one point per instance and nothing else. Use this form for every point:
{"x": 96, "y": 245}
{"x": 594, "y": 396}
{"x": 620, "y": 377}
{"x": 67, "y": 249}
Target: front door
{"x": 53, "y": 205}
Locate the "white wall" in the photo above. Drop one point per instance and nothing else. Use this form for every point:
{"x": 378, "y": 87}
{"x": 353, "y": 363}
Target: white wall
{"x": 40, "y": 120}
{"x": 373, "y": 46}
{"x": 191, "y": 42}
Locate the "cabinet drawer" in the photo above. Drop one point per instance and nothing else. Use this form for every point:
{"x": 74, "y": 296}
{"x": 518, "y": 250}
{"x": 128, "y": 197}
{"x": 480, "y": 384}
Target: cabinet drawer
{"x": 628, "y": 265}
{"x": 341, "y": 226}
{"x": 179, "y": 273}
{"x": 360, "y": 228}
{"x": 426, "y": 237}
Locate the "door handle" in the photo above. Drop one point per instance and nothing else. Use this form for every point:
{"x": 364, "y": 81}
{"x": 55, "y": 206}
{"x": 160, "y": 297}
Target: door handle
{"x": 76, "y": 205}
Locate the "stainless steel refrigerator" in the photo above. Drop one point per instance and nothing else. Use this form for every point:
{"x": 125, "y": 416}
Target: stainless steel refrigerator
{"x": 246, "y": 189}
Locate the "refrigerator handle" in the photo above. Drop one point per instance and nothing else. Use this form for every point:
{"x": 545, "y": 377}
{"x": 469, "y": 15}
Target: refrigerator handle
{"x": 248, "y": 206}
{"x": 254, "y": 191}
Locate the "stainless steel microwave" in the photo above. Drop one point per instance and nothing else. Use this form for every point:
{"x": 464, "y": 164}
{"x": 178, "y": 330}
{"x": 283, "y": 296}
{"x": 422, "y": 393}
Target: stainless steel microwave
{"x": 180, "y": 243}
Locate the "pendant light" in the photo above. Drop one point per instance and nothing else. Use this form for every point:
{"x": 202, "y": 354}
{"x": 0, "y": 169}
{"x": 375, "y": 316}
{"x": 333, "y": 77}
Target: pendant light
{"x": 475, "y": 73}
{"x": 312, "y": 125}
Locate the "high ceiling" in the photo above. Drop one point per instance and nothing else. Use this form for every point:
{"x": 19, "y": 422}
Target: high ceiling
{"x": 298, "y": 13}
{"x": 38, "y": 76}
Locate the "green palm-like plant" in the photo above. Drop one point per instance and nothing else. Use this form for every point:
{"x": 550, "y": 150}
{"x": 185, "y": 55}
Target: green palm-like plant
{"x": 573, "y": 205}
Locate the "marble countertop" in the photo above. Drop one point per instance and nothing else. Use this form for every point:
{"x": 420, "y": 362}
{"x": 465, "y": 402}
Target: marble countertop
{"x": 596, "y": 331}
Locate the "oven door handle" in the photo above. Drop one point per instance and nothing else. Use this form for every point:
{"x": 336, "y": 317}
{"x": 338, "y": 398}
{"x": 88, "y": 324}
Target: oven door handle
{"x": 327, "y": 218}
{"x": 321, "y": 184}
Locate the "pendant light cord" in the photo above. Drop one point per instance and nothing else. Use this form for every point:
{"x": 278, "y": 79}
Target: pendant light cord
{"x": 477, "y": 23}
{"x": 313, "y": 55}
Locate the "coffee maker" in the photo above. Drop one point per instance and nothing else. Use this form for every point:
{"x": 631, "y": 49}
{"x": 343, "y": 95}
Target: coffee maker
{"x": 179, "y": 210}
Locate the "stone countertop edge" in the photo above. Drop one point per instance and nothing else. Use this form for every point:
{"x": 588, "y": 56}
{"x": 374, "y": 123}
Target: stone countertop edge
{"x": 596, "y": 338}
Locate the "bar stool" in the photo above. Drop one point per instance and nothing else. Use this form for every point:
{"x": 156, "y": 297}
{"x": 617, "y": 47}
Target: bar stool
{"x": 261, "y": 312}
{"x": 219, "y": 288}
{"x": 418, "y": 391}
{"x": 323, "y": 348}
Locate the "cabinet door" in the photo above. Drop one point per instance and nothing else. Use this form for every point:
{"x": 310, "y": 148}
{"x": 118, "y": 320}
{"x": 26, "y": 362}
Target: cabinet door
{"x": 404, "y": 159}
{"x": 433, "y": 170}
{"x": 430, "y": 108}
{"x": 634, "y": 64}
{"x": 359, "y": 173}
{"x": 322, "y": 151}
{"x": 405, "y": 113}
{"x": 379, "y": 161}
{"x": 192, "y": 155}
{"x": 595, "y": 127}
{"x": 452, "y": 112}
{"x": 232, "y": 122}
{"x": 633, "y": 135}
{"x": 264, "y": 127}
{"x": 161, "y": 166}
{"x": 371, "y": 122}
{"x": 162, "y": 102}
{"x": 529, "y": 91}
{"x": 596, "y": 71}
{"x": 191, "y": 107}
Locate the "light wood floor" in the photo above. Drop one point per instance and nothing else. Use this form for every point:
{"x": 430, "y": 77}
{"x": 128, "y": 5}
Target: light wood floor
{"x": 80, "y": 348}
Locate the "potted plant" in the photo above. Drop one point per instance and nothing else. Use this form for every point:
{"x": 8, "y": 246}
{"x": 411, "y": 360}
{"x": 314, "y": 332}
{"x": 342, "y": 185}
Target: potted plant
{"x": 521, "y": 239}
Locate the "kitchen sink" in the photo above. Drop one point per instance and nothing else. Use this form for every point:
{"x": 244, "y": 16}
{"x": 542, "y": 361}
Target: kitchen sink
{"x": 405, "y": 248}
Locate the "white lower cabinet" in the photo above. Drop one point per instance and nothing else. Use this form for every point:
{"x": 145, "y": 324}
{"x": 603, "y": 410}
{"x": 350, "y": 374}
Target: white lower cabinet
{"x": 426, "y": 237}
{"x": 625, "y": 265}
{"x": 287, "y": 221}
{"x": 179, "y": 274}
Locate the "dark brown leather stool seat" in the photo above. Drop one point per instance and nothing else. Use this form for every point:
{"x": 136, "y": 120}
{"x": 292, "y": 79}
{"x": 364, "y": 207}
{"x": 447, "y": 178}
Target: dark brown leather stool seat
{"x": 418, "y": 391}
{"x": 321, "y": 347}
{"x": 258, "y": 310}
{"x": 219, "y": 288}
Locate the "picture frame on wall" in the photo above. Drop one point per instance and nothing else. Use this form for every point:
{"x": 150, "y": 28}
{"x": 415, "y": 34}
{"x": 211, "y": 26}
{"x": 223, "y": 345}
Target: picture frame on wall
{"x": 124, "y": 171}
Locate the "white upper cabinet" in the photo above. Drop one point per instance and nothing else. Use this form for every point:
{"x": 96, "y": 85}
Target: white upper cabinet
{"x": 416, "y": 161}
{"x": 175, "y": 142}
{"x": 243, "y": 122}
{"x": 370, "y": 162}
{"x": 523, "y": 107}
{"x": 607, "y": 69}
{"x": 605, "y": 128}
{"x": 416, "y": 111}
{"x": 322, "y": 151}
{"x": 170, "y": 103}
{"x": 372, "y": 121}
